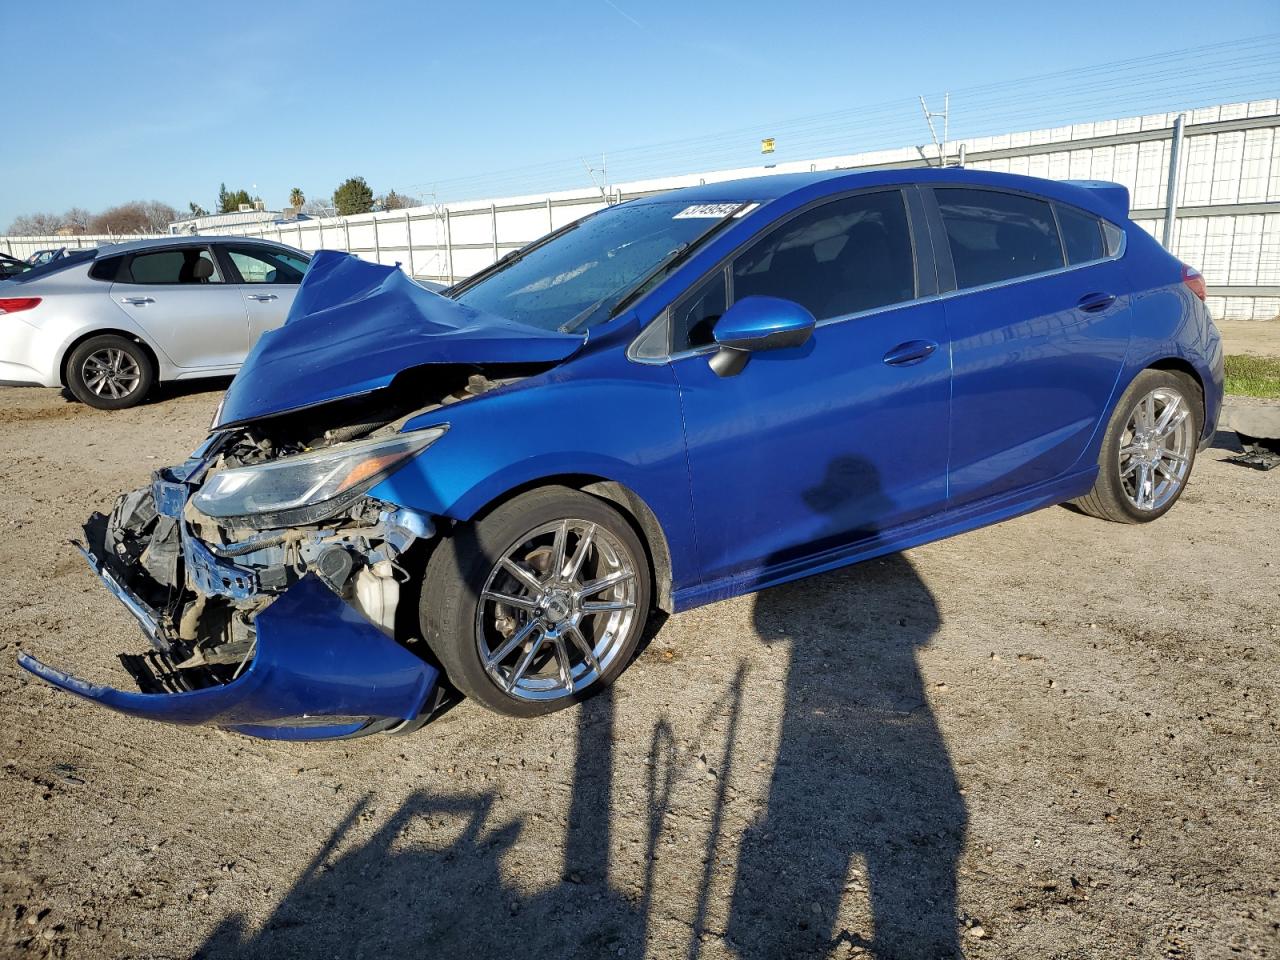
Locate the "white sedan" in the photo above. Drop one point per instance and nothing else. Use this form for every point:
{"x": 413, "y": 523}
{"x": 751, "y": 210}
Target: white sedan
{"x": 108, "y": 324}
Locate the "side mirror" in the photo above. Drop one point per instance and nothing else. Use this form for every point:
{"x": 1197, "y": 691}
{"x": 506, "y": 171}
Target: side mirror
{"x": 758, "y": 323}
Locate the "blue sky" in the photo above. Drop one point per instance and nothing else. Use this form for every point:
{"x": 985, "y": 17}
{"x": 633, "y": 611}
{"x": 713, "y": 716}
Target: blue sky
{"x": 148, "y": 100}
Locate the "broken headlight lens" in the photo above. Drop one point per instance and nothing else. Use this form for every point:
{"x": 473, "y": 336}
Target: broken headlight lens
{"x": 310, "y": 486}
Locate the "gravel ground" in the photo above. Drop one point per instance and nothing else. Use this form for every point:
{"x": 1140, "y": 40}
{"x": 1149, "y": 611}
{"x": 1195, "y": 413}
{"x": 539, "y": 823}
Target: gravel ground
{"x": 1055, "y": 737}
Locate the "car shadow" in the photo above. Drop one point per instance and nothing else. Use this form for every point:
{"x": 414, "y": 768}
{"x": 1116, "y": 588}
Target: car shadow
{"x": 863, "y": 810}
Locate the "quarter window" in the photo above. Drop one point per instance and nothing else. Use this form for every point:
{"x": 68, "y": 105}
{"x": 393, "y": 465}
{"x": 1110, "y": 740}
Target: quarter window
{"x": 261, "y": 265}
{"x": 180, "y": 266}
{"x": 693, "y": 317}
{"x": 1081, "y": 235}
{"x": 997, "y": 236}
{"x": 843, "y": 257}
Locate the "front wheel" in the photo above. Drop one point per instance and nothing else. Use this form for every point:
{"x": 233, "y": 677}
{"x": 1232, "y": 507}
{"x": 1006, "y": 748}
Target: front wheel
{"x": 538, "y": 604}
{"x": 1149, "y": 449}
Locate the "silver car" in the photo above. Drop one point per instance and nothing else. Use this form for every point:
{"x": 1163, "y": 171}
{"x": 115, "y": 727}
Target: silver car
{"x": 108, "y": 324}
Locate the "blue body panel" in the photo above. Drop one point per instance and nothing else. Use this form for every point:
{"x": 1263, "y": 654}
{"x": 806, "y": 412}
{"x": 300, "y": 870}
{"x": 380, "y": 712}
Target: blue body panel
{"x": 320, "y": 670}
{"x": 884, "y": 430}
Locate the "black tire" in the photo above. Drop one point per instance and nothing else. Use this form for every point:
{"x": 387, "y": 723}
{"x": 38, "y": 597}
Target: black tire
{"x": 461, "y": 565}
{"x": 135, "y": 381}
{"x": 1108, "y": 500}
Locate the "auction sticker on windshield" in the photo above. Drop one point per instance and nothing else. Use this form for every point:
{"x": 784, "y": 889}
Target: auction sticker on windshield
{"x": 707, "y": 211}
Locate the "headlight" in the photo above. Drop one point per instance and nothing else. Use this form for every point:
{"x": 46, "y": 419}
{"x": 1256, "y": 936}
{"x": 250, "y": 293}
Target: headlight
{"x": 310, "y": 486}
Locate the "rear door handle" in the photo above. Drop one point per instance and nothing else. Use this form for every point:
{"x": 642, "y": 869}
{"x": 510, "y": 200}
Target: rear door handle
{"x": 1093, "y": 302}
{"x": 263, "y": 297}
{"x": 137, "y": 301}
{"x": 913, "y": 351}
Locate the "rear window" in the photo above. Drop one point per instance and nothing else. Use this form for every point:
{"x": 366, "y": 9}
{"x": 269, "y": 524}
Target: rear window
{"x": 1081, "y": 235}
{"x": 997, "y": 236}
{"x": 56, "y": 266}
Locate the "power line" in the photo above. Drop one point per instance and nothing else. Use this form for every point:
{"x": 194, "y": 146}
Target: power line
{"x": 1136, "y": 85}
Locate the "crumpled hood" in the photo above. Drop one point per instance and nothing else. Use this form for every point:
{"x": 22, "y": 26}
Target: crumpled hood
{"x": 355, "y": 325}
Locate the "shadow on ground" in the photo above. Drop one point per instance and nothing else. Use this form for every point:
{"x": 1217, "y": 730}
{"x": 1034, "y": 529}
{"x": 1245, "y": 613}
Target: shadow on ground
{"x": 863, "y": 807}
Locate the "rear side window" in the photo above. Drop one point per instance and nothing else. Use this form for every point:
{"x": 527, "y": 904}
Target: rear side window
{"x": 1081, "y": 235}
{"x": 842, "y": 257}
{"x": 177, "y": 266}
{"x": 108, "y": 268}
{"x": 997, "y": 236}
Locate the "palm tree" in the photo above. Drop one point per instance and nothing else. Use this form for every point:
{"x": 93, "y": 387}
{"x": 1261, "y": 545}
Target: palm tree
{"x": 297, "y": 198}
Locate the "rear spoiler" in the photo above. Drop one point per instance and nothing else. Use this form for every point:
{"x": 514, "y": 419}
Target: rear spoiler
{"x": 1112, "y": 197}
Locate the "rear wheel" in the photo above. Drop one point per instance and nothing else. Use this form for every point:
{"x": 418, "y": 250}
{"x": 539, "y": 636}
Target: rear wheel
{"x": 538, "y": 604}
{"x": 1149, "y": 449}
{"x": 110, "y": 372}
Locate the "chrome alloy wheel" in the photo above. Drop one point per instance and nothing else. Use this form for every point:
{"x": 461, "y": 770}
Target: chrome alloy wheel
{"x": 1155, "y": 449}
{"x": 556, "y": 610}
{"x": 111, "y": 372}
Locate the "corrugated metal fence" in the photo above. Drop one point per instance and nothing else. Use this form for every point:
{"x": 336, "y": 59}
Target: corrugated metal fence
{"x": 1227, "y": 200}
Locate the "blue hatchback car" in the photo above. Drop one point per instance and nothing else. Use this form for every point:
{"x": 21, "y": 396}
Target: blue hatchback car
{"x": 673, "y": 401}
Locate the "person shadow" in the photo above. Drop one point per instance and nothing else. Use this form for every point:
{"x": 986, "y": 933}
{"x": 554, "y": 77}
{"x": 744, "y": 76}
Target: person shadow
{"x": 862, "y": 771}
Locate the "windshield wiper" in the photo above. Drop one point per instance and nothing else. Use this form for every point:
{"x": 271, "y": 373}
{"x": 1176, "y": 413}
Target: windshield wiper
{"x": 664, "y": 266}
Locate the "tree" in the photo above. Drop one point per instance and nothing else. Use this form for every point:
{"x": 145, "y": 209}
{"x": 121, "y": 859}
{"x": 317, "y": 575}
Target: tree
{"x": 136, "y": 216}
{"x": 353, "y": 196}
{"x": 395, "y": 201}
{"x": 297, "y": 198}
{"x": 36, "y": 225}
{"x": 197, "y": 210}
{"x": 77, "y": 218}
{"x": 229, "y": 200}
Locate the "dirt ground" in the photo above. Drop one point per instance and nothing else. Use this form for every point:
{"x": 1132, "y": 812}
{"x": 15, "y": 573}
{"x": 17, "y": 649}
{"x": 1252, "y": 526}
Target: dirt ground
{"x": 1055, "y": 737}
{"x": 1255, "y": 338}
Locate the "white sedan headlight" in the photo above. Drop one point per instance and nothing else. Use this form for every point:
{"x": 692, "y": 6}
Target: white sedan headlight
{"x": 309, "y": 486}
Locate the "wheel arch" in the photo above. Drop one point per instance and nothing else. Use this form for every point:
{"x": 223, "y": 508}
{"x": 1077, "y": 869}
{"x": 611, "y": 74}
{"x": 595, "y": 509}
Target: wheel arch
{"x": 632, "y": 506}
{"x": 105, "y": 332}
{"x": 1179, "y": 365}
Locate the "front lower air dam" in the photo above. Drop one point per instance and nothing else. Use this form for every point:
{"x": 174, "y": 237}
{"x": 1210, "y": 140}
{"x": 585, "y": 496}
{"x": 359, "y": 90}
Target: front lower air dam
{"x": 320, "y": 670}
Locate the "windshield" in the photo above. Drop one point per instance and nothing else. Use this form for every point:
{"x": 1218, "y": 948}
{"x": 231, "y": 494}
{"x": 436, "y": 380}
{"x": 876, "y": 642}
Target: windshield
{"x": 592, "y": 266}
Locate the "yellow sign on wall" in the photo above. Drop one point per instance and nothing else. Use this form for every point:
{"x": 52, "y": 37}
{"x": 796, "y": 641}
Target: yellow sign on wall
{"x": 766, "y": 145}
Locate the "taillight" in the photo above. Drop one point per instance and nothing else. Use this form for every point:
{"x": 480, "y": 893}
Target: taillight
{"x": 1194, "y": 281}
{"x": 17, "y": 304}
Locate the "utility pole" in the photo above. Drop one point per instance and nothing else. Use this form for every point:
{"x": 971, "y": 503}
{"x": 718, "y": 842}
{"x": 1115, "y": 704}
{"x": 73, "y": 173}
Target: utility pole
{"x": 945, "y": 116}
{"x": 603, "y": 183}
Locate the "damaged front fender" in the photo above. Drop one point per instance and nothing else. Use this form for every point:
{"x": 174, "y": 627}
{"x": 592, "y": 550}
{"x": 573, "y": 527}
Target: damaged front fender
{"x": 320, "y": 670}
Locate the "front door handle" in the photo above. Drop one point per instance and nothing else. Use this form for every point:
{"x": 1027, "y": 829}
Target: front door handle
{"x": 1094, "y": 302}
{"x": 913, "y": 351}
{"x": 137, "y": 301}
{"x": 263, "y": 297}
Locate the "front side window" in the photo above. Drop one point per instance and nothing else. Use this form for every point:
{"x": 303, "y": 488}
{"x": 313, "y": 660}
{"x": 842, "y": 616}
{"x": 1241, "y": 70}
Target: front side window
{"x": 263, "y": 265}
{"x": 842, "y": 257}
{"x": 997, "y": 236}
{"x": 574, "y": 280}
{"x": 1081, "y": 234}
{"x": 184, "y": 265}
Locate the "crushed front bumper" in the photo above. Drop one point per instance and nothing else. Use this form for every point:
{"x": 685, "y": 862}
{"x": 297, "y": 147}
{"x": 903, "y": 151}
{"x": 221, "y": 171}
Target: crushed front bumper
{"x": 320, "y": 670}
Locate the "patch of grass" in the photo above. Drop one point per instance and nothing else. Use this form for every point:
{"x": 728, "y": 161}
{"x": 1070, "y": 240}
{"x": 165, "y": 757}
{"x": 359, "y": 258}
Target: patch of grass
{"x": 1253, "y": 376}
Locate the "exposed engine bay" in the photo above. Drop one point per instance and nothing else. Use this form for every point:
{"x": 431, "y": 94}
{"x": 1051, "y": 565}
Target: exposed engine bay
{"x": 206, "y": 578}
